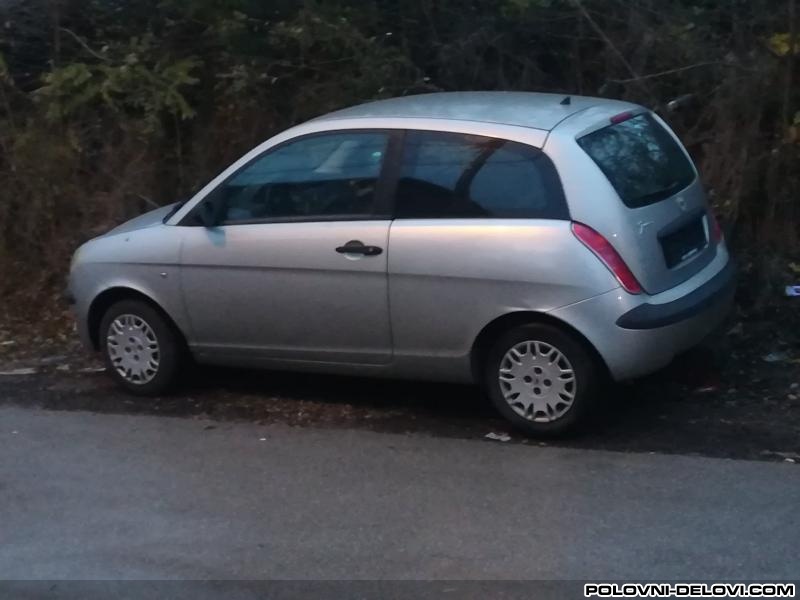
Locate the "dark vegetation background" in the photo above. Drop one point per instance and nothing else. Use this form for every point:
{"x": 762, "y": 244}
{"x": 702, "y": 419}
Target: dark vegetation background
{"x": 108, "y": 107}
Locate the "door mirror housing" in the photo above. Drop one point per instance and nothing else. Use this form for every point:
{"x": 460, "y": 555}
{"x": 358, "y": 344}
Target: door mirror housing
{"x": 207, "y": 215}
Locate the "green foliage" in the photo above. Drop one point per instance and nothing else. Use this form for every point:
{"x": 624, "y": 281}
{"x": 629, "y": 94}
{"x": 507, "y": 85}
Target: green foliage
{"x": 127, "y": 81}
{"x": 782, "y": 44}
{"x": 104, "y": 102}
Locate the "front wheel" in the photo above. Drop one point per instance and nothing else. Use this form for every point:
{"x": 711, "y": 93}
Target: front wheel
{"x": 141, "y": 349}
{"x": 542, "y": 379}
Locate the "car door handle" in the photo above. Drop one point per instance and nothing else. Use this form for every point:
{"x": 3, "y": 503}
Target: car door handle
{"x": 357, "y": 247}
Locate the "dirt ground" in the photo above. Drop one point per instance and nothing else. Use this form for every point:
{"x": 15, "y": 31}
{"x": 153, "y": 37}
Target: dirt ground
{"x": 736, "y": 396}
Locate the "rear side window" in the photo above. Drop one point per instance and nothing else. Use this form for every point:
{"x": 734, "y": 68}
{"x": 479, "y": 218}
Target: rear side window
{"x": 447, "y": 175}
{"x": 641, "y": 159}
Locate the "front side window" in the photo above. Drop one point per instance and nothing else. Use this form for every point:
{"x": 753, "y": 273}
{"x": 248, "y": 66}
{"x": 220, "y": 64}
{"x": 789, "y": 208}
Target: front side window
{"x": 447, "y": 175}
{"x": 324, "y": 176}
{"x": 641, "y": 159}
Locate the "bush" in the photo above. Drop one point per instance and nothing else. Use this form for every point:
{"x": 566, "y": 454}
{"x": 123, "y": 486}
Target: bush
{"x": 108, "y": 107}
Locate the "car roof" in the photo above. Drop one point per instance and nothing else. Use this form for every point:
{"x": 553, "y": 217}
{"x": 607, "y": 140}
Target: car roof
{"x": 523, "y": 109}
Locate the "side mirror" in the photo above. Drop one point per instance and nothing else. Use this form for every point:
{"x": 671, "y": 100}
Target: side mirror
{"x": 207, "y": 215}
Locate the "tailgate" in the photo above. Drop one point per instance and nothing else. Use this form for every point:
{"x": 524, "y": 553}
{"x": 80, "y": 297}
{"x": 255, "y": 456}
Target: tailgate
{"x": 664, "y": 233}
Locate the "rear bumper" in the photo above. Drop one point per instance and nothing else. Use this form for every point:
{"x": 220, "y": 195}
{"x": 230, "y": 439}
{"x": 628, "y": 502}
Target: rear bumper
{"x": 652, "y": 316}
{"x": 636, "y": 338}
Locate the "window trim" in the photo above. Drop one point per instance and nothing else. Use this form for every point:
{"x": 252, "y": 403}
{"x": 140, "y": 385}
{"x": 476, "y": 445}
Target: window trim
{"x": 397, "y": 167}
{"x": 384, "y": 186}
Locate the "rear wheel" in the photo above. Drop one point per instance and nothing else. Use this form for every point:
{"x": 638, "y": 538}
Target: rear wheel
{"x": 542, "y": 379}
{"x": 141, "y": 349}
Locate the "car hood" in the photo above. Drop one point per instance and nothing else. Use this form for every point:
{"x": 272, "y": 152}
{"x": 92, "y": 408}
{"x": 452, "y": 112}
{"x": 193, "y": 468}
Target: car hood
{"x": 148, "y": 219}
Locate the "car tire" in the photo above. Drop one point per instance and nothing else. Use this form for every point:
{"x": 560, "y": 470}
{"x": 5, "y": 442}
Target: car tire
{"x": 542, "y": 379}
{"x": 140, "y": 347}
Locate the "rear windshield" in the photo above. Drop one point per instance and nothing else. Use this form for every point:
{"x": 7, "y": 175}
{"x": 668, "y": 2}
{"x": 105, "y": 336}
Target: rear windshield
{"x": 641, "y": 159}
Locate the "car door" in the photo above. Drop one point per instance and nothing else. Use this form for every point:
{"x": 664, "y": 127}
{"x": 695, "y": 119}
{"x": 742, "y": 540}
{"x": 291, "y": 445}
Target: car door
{"x": 294, "y": 264}
{"x": 477, "y": 234}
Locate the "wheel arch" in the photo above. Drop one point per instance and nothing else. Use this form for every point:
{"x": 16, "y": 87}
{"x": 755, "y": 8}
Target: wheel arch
{"x": 111, "y": 296}
{"x": 508, "y": 321}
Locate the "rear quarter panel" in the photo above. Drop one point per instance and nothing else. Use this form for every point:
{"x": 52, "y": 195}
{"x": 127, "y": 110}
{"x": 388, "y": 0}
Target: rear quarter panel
{"x": 448, "y": 279}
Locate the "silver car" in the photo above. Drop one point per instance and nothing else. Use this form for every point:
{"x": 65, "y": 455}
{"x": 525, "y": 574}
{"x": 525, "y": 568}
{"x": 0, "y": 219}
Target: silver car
{"x": 535, "y": 244}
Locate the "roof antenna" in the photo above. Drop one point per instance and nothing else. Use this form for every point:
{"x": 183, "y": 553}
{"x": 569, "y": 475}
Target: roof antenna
{"x": 566, "y": 101}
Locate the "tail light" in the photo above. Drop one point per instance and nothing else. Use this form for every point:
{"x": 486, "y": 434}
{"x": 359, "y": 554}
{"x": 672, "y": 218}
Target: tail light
{"x": 714, "y": 228}
{"x": 608, "y": 255}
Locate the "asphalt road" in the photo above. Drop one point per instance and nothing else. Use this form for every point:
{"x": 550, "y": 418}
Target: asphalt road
{"x": 86, "y": 496}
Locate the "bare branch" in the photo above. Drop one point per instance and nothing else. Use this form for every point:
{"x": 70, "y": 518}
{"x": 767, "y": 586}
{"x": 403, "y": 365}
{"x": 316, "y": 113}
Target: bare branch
{"x": 83, "y": 44}
{"x": 787, "y": 89}
{"x": 599, "y": 30}
{"x": 668, "y": 72}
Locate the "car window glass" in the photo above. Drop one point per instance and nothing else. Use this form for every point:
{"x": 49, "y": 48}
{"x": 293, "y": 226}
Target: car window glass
{"x": 446, "y": 175}
{"x": 641, "y": 159}
{"x": 325, "y": 176}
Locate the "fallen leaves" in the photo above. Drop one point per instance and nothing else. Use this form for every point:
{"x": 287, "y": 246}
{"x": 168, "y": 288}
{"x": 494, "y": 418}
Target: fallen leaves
{"x": 498, "y": 437}
{"x": 780, "y": 44}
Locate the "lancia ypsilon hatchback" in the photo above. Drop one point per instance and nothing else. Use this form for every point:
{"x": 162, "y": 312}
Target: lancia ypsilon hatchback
{"x": 531, "y": 243}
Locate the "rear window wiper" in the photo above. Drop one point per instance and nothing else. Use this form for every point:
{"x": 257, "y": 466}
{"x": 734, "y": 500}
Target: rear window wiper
{"x": 665, "y": 192}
